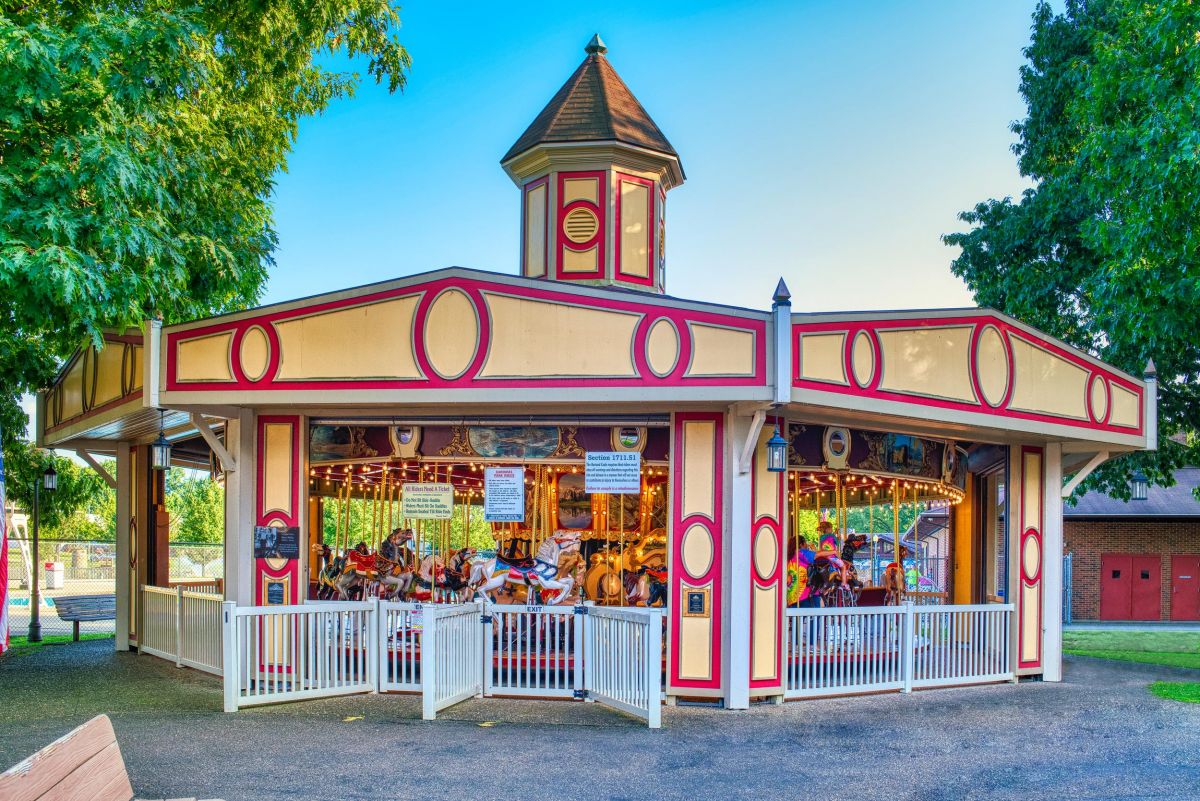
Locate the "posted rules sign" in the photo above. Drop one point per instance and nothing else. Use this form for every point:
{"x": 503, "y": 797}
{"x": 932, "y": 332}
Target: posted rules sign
{"x": 613, "y": 473}
{"x": 504, "y": 494}
{"x": 427, "y": 501}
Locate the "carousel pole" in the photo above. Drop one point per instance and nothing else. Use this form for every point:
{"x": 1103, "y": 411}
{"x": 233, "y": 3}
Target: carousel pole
{"x": 896, "y": 527}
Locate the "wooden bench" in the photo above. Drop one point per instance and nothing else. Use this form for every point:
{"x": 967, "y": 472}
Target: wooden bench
{"x": 86, "y": 763}
{"x": 75, "y": 609}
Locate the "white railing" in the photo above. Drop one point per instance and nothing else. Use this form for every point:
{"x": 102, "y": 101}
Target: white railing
{"x": 182, "y": 626}
{"x": 287, "y": 653}
{"x": 847, "y": 651}
{"x": 961, "y": 645}
{"x": 451, "y": 656}
{"x": 400, "y": 627}
{"x": 533, "y": 651}
{"x": 622, "y": 656}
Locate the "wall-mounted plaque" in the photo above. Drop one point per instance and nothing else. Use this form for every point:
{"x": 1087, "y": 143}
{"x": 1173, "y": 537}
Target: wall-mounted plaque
{"x": 276, "y": 543}
{"x": 695, "y": 602}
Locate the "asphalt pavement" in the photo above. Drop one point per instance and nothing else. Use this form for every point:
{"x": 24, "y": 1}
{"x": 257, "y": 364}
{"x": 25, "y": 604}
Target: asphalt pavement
{"x": 1097, "y": 735}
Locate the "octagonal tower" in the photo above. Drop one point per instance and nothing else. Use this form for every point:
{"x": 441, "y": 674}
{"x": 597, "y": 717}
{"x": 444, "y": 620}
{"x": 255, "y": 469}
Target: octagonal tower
{"x": 594, "y": 171}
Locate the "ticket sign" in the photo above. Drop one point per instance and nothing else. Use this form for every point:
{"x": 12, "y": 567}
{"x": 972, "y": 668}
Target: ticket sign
{"x": 427, "y": 501}
{"x": 504, "y": 494}
{"x": 613, "y": 473}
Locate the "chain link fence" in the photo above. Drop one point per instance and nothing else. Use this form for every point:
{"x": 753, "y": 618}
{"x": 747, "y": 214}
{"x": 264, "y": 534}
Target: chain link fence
{"x": 84, "y": 567}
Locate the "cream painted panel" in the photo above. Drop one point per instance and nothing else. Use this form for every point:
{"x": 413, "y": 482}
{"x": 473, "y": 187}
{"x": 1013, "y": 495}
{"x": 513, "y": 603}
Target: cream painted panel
{"x": 535, "y": 231}
{"x": 137, "y": 367}
{"x": 635, "y": 230}
{"x": 369, "y": 341}
{"x": 991, "y": 365}
{"x": 766, "y": 552}
{"x": 821, "y": 358}
{"x": 537, "y": 338}
{"x": 695, "y": 647}
{"x": 277, "y": 468}
{"x": 764, "y": 655}
{"x": 580, "y": 261}
{"x": 1031, "y": 556}
{"x": 1124, "y": 407}
{"x": 862, "y": 358}
{"x": 1046, "y": 383}
{"x": 1031, "y": 632}
{"x": 720, "y": 351}
{"x": 933, "y": 362}
{"x": 1099, "y": 397}
{"x": 699, "y": 448}
{"x": 1031, "y": 486}
{"x": 451, "y": 333}
{"x": 108, "y": 374}
{"x": 204, "y": 358}
{"x": 662, "y": 347}
{"x": 581, "y": 189}
{"x": 255, "y": 353}
{"x": 696, "y": 550}
{"x": 766, "y": 483}
{"x": 72, "y": 388}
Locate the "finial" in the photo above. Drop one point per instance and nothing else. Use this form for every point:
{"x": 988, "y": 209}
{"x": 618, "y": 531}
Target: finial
{"x": 782, "y": 294}
{"x": 1150, "y": 371}
{"x": 596, "y": 46}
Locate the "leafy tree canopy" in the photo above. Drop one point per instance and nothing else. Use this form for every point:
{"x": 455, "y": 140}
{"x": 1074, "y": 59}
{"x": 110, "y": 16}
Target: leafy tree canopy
{"x": 138, "y": 147}
{"x": 1104, "y": 250}
{"x": 79, "y": 489}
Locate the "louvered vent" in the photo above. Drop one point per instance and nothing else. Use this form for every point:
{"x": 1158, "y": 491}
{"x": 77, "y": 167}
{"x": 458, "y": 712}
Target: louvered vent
{"x": 580, "y": 225}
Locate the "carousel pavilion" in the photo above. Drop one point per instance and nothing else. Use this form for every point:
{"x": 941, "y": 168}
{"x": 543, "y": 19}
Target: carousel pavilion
{"x": 303, "y": 411}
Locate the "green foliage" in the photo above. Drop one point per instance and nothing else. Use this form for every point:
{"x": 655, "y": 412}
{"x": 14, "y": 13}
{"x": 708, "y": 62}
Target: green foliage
{"x": 478, "y": 530}
{"x": 138, "y": 148}
{"x": 1186, "y": 691}
{"x": 1103, "y": 251}
{"x": 79, "y": 489}
{"x": 196, "y": 505}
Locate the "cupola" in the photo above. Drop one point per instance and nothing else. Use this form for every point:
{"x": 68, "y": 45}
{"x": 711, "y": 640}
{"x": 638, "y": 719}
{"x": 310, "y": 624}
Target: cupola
{"x": 594, "y": 171}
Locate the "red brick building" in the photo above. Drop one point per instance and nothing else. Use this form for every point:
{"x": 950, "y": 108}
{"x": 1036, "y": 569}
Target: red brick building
{"x": 1137, "y": 559}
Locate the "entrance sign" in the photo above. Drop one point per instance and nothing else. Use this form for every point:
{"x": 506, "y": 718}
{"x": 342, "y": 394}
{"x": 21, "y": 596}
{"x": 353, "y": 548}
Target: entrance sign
{"x": 504, "y": 494}
{"x": 613, "y": 473}
{"x": 427, "y": 501}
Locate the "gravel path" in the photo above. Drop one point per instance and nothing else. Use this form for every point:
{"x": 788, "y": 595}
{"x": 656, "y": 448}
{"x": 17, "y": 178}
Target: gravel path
{"x": 1097, "y": 735}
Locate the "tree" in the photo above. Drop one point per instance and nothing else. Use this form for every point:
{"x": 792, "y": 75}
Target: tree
{"x": 196, "y": 505}
{"x": 138, "y": 147}
{"x": 79, "y": 488}
{"x": 1104, "y": 250}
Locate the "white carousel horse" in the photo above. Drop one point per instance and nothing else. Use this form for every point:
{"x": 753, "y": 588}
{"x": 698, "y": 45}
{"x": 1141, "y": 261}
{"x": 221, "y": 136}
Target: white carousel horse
{"x": 543, "y": 572}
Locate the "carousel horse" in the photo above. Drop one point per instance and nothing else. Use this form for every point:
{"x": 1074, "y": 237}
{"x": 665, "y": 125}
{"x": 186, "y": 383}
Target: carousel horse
{"x": 832, "y": 575}
{"x": 394, "y": 578}
{"x": 649, "y": 587}
{"x": 358, "y": 571}
{"x": 894, "y": 580}
{"x": 327, "y": 578}
{"x": 430, "y": 575}
{"x": 542, "y": 572}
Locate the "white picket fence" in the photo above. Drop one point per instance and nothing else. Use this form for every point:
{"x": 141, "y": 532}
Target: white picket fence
{"x": 533, "y": 651}
{"x": 182, "y": 626}
{"x": 451, "y": 656}
{"x": 623, "y": 654}
{"x": 848, "y": 651}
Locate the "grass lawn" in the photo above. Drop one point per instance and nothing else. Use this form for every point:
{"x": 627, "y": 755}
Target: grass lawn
{"x": 1172, "y": 648}
{"x": 1186, "y": 691}
{"x": 22, "y": 645}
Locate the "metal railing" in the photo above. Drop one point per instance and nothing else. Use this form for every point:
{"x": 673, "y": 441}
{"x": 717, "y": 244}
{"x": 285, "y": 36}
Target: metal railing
{"x": 875, "y": 649}
{"x": 622, "y": 657}
{"x": 287, "y": 653}
{"x": 182, "y": 626}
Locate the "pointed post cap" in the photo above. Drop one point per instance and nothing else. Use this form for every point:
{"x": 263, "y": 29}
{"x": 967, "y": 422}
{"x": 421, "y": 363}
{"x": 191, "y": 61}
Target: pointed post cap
{"x": 782, "y": 294}
{"x": 596, "y": 46}
{"x": 1150, "y": 371}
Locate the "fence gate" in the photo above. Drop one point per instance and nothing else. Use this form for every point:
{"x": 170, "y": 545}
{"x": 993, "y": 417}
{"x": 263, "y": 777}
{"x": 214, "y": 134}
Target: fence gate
{"x": 451, "y": 656}
{"x": 622, "y": 658}
{"x": 533, "y": 651}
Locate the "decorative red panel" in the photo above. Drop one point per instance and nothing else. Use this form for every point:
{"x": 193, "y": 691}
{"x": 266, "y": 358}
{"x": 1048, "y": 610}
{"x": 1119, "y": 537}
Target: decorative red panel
{"x": 650, "y": 232}
{"x": 262, "y": 517}
{"x": 597, "y": 240}
{"x": 772, "y": 519}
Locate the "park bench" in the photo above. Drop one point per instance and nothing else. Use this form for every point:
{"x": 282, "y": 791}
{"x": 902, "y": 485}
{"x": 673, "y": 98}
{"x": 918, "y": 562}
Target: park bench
{"x": 75, "y": 609}
{"x": 86, "y": 763}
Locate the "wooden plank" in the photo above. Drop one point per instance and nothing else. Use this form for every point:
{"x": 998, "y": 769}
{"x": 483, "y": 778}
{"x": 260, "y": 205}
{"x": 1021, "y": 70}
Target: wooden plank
{"x": 35, "y": 776}
{"x": 101, "y": 778}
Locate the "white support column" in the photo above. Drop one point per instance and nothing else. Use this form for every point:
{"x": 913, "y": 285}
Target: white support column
{"x": 737, "y": 568}
{"x": 1052, "y": 570}
{"x": 124, "y": 587}
{"x": 239, "y": 510}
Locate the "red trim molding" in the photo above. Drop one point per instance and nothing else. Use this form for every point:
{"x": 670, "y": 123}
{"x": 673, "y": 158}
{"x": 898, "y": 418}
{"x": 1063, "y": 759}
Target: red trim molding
{"x": 651, "y": 233}
{"x": 598, "y": 239}
{"x": 1031, "y": 529}
{"x": 772, "y": 519}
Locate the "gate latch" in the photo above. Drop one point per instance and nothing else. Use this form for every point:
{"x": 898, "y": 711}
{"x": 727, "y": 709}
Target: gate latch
{"x": 580, "y": 610}
{"x": 485, "y": 619}
{"x": 580, "y": 695}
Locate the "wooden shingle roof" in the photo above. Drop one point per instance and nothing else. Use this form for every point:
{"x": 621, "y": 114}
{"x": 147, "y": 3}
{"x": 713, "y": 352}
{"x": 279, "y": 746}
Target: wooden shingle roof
{"x": 594, "y": 105}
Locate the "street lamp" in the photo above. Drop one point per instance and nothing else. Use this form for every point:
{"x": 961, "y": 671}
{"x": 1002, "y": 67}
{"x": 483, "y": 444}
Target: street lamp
{"x": 50, "y": 483}
{"x": 777, "y": 452}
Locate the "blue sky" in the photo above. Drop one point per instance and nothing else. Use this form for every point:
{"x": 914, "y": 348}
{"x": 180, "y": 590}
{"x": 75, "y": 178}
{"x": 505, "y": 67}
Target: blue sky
{"x": 828, "y": 142}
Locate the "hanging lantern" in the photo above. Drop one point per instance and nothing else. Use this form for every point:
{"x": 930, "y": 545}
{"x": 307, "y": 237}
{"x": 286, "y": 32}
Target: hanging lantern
{"x": 777, "y": 452}
{"x": 160, "y": 449}
{"x": 1139, "y": 487}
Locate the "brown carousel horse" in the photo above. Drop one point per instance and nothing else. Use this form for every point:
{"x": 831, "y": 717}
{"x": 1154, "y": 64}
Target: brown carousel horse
{"x": 832, "y": 575}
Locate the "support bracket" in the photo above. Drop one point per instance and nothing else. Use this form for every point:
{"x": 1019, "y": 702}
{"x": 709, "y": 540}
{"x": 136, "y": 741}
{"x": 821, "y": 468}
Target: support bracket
{"x": 1085, "y": 471}
{"x": 99, "y": 468}
{"x": 756, "y": 424}
{"x": 227, "y": 461}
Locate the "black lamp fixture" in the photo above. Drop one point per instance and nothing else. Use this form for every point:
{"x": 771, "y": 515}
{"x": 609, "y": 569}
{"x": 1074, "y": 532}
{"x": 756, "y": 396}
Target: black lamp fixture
{"x": 160, "y": 449}
{"x": 50, "y": 479}
{"x": 777, "y": 452}
{"x": 1139, "y": 486}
